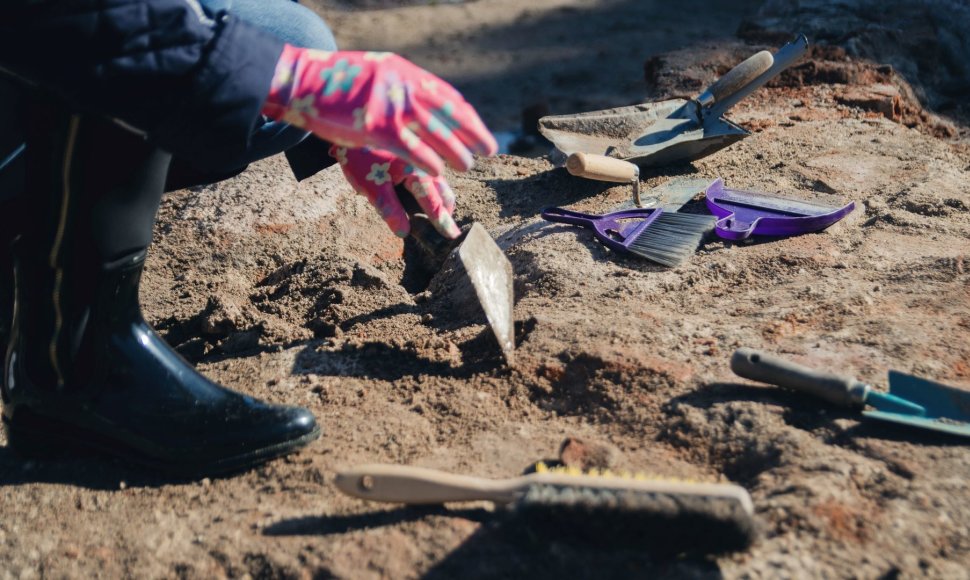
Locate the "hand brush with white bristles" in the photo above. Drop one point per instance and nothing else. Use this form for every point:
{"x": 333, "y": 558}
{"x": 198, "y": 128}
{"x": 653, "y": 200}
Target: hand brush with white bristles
{"x": 667, "y": 238}
{"x": 593, "y": 507}
{"x": 658, "y": 234}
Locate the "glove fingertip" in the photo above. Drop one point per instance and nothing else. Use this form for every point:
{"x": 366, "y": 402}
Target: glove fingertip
{"x": 445, "y": 224}
{"x": 467, "y": 161}
{"x": 490, "y": 147}
{"x": 447, "y": 196}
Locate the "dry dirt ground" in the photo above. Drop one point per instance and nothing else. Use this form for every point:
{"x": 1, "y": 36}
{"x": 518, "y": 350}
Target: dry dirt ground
{"x": 292, "y": 293}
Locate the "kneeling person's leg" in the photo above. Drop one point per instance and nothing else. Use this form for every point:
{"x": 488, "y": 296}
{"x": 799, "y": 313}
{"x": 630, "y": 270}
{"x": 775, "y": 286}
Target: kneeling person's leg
{"x": 83, "y": 367}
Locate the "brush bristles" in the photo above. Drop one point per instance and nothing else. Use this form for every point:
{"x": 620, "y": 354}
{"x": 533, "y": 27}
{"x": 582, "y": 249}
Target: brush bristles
{"x": 672, "y": 237}
{"x": 658, "y": 521}
{"x": 664, "y": 522}
{"x": 542, "y": 467}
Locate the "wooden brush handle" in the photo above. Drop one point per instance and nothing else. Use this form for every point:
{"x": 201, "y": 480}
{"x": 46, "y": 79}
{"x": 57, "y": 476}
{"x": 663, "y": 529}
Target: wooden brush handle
{"x": 417, "y": 485}
{"x": 737, "y": 78}
{"x": 602, "y": 168}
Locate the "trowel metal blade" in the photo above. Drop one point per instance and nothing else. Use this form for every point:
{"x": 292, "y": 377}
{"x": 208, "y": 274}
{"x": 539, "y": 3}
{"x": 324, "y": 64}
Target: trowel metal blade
{"x": 938, "y": 399}
{"x": 490, "y": 273}
{"x": 608, "y": 132}
{"x": 692, "y": 143}
{"x": 665, "y": 130}
{"x": 947, "y": 408}
{"x": 934, "y": 424}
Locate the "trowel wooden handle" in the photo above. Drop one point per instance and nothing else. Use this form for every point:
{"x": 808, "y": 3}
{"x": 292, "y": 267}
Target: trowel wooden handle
{"x": 602, "y": 168}
{"x": 737, "y": 78}
{"x": 784, "y": 58}
{"x": 836, "y": 389}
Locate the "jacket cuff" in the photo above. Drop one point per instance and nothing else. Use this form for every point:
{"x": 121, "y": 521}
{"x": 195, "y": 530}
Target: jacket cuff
{"x": 310, "y": 157}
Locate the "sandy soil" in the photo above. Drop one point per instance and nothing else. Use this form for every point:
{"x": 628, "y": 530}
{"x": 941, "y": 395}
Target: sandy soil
{"x": 292, "y": 293}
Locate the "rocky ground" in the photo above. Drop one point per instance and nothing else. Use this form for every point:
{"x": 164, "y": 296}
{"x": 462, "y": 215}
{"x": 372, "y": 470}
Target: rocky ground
{"x": 292, "y": 293}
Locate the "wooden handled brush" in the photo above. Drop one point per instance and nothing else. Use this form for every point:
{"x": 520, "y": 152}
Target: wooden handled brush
{"x": 593, "y": 507}
{"x": 668, "y": 238}
{"x": 603, "y": 168}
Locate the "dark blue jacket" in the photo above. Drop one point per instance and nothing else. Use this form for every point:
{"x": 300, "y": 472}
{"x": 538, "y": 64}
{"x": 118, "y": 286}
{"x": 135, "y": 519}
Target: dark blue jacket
{"x": 194, "y": 84}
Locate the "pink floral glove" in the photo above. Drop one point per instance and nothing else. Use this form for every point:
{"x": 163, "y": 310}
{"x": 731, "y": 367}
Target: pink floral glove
{"x": 373, "y": 174}
{"x": 378, "y": 100}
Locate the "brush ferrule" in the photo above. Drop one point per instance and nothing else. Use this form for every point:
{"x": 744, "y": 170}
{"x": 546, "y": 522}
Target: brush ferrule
{"x": 636, "y": 191}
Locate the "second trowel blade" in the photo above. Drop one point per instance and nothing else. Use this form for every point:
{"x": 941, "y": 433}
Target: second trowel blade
{"x": 947, "y": 408}
{"x": 490, "y": 273}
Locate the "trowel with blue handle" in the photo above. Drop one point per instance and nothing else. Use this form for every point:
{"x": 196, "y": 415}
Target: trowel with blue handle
{"x": 910, "y": 401}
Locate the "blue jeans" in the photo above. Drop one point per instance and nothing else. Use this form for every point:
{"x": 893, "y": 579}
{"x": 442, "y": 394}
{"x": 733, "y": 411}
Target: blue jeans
{"x": 293, "y": 23}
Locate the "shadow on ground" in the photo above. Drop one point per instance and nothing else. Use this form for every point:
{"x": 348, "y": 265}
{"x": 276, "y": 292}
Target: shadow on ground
{"x": 813, "y": 415}
{"x": 505, "y": 547}
{"x": 88, "y": 470}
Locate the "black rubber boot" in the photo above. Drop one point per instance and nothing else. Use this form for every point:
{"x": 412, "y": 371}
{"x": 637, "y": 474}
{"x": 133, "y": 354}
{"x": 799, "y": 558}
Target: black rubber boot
{"x": 9, "y": 210}
{"x": 83, "y": 367}
{"x": 6, "y": 295}
{"x": 11, "y": 191}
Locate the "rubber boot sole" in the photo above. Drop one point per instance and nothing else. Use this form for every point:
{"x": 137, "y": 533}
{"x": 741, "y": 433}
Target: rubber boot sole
{"x": 36, "y": 437}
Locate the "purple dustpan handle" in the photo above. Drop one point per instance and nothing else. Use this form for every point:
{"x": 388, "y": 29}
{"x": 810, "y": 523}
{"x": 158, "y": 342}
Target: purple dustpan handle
{"x": 603, "y": 224}
{"x": 731, "y": 229}
{"x": 565, "y": 216}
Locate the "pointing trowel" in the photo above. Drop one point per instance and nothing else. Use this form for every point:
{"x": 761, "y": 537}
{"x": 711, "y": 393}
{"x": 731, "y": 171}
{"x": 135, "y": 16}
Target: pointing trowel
{"x": 910, "y": 401}
{"x": 488, "y": 269}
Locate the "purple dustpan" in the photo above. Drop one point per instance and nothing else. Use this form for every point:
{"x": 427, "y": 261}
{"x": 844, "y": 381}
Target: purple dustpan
{"x": 741, "y": 214}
